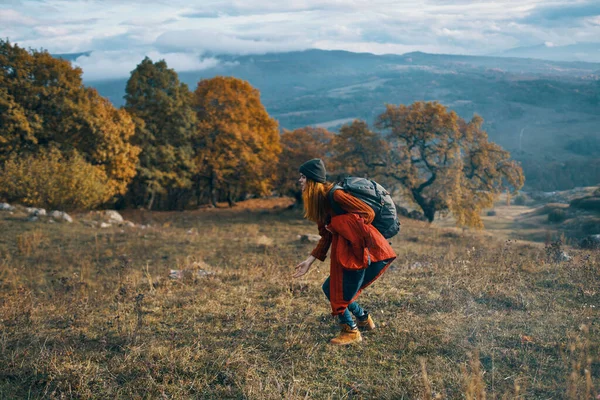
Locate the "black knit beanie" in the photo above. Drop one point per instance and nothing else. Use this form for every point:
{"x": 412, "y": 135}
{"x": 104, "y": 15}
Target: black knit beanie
{"x": 314, "y": 169}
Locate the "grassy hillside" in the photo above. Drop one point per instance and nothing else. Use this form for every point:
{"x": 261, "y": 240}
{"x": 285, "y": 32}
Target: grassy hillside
{"x": 92, "y": 313}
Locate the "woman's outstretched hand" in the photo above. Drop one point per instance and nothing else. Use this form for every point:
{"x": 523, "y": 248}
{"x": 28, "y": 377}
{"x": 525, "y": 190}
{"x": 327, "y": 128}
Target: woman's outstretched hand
{"x": 303, "y": 267}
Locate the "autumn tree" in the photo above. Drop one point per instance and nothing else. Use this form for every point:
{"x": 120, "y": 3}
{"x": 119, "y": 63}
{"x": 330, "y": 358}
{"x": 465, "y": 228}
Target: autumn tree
{"x": 357, "y": 150}
{"x": 165, "y": 126}
{"x": 298, "y": 146}
{"x": 44, "y": 106}
{"x": 444, "y": 162}
{"x": 237, "y": 146}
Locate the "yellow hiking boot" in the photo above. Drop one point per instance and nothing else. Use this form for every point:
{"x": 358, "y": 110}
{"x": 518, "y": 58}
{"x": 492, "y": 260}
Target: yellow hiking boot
{"x": 367, "y": 324}
{"x": 347, "y": 336}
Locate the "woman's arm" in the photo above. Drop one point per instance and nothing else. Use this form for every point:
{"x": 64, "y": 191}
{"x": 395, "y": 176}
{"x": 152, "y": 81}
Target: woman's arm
{"x": 353, "y": 205}
{"x": 320, "y": 252}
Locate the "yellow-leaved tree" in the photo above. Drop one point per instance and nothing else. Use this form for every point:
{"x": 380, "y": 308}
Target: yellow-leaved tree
{"x": 45, "y": 107}
{"x": 237, "y": 143}
{"x": 441, "y": 162}
{"x": 444, "y": 162}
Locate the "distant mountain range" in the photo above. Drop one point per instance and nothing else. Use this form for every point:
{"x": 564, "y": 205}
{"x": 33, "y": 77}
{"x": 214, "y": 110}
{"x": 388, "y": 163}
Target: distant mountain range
{"x": 547, "y": 113}
{"x": 548, "y": 51}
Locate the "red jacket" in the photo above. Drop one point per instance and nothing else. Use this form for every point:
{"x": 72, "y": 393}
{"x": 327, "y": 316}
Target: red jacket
{"x": 352, "y": 241}
{"x": 355, "y": 244}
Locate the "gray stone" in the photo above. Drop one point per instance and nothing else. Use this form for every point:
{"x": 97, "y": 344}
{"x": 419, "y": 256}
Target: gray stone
{"x": 113, "y": 216}
{"x": 40, "y": 212}
{"x": 309, "y": 238}
{"x": 186, "y": 273}
{"x": 564, "y": 257}
{"x": 6, "y": 207}
{"x": 61, "y": 216}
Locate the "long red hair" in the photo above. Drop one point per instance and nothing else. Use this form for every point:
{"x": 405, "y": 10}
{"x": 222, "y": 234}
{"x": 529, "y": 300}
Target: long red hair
{"x": 315, "y": 201}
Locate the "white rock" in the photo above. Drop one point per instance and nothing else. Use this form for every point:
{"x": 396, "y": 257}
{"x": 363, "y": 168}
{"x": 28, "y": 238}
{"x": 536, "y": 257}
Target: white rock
{"x": 564, "y": 256}
{"x": 61, "y": 215}
{"x": 186, "y": 273}
{"x": 6, "y": 207}
{"x": 113, "y": 216}
{"x": 309, "y": 238}
{"x": 36, "y": 211}
{"x": 105, "y": 225}
{"x": 129, "y": 224}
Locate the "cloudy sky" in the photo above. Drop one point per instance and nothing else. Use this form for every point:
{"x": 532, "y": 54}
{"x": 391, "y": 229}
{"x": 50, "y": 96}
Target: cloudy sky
{"x": 119, "y": 33}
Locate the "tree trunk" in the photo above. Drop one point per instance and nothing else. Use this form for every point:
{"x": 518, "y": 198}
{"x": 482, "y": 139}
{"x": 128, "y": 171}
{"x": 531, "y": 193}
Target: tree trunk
{"x": 151, "y": 201}
{"x": 230, "y": 199}
{"x": 298, "y": 197}
{"x": 427, "y": 206}
{"x": 213, "y": 191}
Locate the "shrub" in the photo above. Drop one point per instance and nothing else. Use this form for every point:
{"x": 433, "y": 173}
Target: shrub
{"x": 54, "y": 181}
{"x": 491, "y": 213}
{"x": 589, "y": 203}
{"x": 557, "y": 215}
{"x": 520, "y": 200}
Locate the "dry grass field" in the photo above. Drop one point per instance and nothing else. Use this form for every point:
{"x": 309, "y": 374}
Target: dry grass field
{"x": 92, "y": 313}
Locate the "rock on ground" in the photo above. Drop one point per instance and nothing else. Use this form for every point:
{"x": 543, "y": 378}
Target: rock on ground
{"x": 6, "y": 207}
{"x": 61, "y": 216}
{"x": 309, "y": 238}
{"x": 113, "y": 216}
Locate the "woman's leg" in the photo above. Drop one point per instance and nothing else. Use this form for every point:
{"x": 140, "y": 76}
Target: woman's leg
{"x": 345, "y": 317}
{"x": 353, "y": 307}
{"x": 356, "y": 309}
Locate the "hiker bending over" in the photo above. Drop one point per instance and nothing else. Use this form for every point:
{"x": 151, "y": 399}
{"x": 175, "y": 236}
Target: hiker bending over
{"x": 359, "y": 253}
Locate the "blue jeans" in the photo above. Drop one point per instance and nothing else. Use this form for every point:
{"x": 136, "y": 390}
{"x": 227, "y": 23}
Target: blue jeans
{"x": 354, "y": 308}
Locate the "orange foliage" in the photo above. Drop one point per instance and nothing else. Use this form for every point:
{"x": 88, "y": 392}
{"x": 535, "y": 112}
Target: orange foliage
{"x": 238, "y": 142}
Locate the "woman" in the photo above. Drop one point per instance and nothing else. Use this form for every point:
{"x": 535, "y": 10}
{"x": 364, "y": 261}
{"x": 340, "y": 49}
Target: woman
{"x": 359, "y": 253}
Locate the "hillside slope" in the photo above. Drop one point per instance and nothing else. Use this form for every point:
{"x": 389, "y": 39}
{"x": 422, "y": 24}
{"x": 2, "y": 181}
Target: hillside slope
{"x": 545, "y": 113}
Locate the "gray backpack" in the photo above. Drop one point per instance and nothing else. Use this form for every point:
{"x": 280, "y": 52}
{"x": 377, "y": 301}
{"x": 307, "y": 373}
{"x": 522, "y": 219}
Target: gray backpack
{"x": 386, "y": 218}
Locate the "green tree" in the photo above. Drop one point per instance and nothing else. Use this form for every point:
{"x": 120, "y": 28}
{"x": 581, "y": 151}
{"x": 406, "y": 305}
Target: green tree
{"x": 165, "y": 126}
{"x": 237, "y": 146}
{"x": 44, "y": 105}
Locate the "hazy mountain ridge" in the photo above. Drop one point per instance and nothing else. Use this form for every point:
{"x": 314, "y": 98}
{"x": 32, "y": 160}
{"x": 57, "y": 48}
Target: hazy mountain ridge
{"x": 549, "y": 51}
{"x": 541, "y": 111}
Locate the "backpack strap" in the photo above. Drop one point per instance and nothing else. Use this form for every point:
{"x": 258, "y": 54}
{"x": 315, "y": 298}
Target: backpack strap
{"x": 379, "y": 195}
{"x": 334, "y": 205}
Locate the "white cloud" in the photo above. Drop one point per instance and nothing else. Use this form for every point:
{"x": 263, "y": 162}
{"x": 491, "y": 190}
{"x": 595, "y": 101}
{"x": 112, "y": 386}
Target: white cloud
{"x": 127, "y": 30}
{"x": 52, "y": 31}
{"x": 12, "y": 17}
{"x": 119, "y": 64}
{"x": 203, "y": 40}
